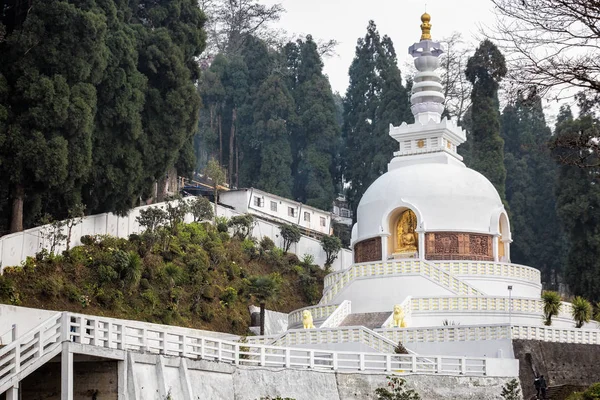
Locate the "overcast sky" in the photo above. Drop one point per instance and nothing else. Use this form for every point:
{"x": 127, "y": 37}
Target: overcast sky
{"x": 346, "y": 21}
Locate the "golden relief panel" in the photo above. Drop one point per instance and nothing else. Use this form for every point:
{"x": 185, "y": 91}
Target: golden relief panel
{"x": 458, "y": 246}
{"x": 368, "y": 250}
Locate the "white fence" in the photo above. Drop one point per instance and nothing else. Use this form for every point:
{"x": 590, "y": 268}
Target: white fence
{"x": 550, "y": 334}
{"x": 38, "y": 345}
{"x": 443, "y": 334}
{"x": 336, "y": 317}
{"x": 16, "y": 247}
{"x": 420, "y": 267}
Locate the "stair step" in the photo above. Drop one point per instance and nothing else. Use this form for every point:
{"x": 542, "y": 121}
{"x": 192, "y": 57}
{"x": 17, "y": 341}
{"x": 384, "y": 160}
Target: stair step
{"x": 368, "y": 320}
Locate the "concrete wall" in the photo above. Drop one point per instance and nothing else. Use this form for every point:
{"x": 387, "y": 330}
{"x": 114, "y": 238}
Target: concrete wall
{"x": 25, "y": 319}
{"x": 16, "y": 247}
{"x": 560, "y": 363}
{"x": 96, "y": 379}
{"x": 217, "y": 381}
{"x": 275, "y": 322}
{"x": 378, "y": 294}
{"x": 498, "y": 286}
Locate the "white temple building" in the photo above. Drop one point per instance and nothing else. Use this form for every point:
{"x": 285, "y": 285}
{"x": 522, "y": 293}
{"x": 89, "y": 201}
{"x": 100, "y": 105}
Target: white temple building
{"x": 431, "y": 252}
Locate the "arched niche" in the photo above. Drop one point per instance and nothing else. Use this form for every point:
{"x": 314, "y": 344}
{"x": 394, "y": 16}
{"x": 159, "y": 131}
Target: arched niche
{"x": 403, "y": 239}
{"x": 504, "y": 238}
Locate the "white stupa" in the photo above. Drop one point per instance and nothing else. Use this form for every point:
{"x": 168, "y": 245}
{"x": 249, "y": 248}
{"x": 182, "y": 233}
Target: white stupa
{"x": 431, "y": 250}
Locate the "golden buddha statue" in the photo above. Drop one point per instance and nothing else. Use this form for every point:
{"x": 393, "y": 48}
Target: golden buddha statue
{"x": 406, "y": 237}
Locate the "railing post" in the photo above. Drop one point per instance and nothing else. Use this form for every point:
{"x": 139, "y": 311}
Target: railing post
{"x": 263, "y": 360}
{"x": 414, "y": 364}
{"x": 163, "y": 343}
{"x": 145, "y": 340}
{"x": 183, "y": 344}
{"x": 311, "y": 359}
{"x": 65, "y": 326}
{"x": 109, "y": 333}
{"x": 202, "y": 343}
{"x": 388, "y": 363}
{"x": 463, "y": 366}
{"x": 438, "y": 363}
{"x": 361, "y": 358}
{"x": 219, "y": 351}
{"x": 287, "y": 357}
{"x": 334, "y": 357}
{"x": 14, "y": 333}
{"x": 236, "y": 354}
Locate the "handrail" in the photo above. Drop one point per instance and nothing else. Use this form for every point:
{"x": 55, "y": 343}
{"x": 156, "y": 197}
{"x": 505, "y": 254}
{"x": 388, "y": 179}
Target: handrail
{"x": 318, "y": 311}
{"x": 336, "y": 317}
{"x": 395, "y": 267}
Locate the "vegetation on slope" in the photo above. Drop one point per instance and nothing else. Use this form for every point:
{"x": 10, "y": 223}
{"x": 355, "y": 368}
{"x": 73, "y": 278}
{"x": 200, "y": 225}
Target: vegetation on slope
{"x": 192, "y": 275}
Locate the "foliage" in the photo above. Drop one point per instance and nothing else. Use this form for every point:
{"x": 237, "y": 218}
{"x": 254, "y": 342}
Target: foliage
{"x": 591, "y": 393}
{"x": 264, "y": 288}
{"x": 201, "y": 209}
{"x": 531, "y": 179}
{"x": 200, "y": 280}
{"x": 400, "y": 349}
{"x": 511, "y": 390}
{"x": 217, "y": 175}
{"x": 242, "y": 225}
{"x": 552, "y": 305}
{"x": 291, "y": 234}
{"x": 396, "y": 390}
{"x": 582, "y": 311}
{"x": 53, "y": 232}
{"x": 374, "y": 99}
{"x": 485, "y": 70}
{"x": 152, "y": 218}
{"x": 332, "y": 246}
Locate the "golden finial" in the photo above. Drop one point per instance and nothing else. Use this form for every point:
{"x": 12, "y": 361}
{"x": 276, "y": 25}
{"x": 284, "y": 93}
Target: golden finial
{"x": 425, "y": 27}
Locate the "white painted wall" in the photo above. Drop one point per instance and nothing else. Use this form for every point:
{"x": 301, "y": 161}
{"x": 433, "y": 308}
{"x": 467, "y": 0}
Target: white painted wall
{"x": 476, "y": 348}
{"x": 16, "y": 247}
{"x": 378, "y": 294}
{"x": 498, "y": 286}
{"x": 25, "y": 318}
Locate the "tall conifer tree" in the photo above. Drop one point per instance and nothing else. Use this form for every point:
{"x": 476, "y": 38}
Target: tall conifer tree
{"x": 485, "y": 70}
{"x": 274, "y": 113}
{"x": 374, "y": 99}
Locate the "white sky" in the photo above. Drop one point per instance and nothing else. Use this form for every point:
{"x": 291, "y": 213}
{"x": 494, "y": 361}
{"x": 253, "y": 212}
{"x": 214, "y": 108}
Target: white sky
{"x": 346, "y": 21}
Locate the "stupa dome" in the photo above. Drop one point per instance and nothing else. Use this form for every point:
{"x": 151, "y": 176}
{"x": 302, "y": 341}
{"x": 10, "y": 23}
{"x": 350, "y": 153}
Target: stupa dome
{"x": 447, "y": 197}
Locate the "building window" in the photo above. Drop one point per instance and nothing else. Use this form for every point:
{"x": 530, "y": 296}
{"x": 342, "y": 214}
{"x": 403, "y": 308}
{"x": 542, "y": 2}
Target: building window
{"x": 323, "y": 221}
{"x": 345, "y": 213}
{"x": 291, "y": 211}
{"x": 273, "y": 206}
{"x": 258, "y": 202}
{"x": 306, "y": 216}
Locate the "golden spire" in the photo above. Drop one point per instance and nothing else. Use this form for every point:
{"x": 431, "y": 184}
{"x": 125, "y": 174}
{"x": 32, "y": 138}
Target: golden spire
{"x": 425, "y": 27}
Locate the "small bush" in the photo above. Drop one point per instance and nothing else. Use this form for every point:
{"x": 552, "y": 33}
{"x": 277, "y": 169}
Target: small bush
{"x": 151, "y": 298}
{"x": 106, "y": 274}
{"x": 267, "y": 244}
{"x": 50, "y": 287}
{"x": 229, "y": 296}
{"x": 511, "y": 390}
{"x": 88, "y": 240}
{"x": 71, "y": 292}
{"x": 397, "y": 392}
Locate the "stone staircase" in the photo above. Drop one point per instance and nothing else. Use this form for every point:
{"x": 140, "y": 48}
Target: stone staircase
{"x": 374, "y": 320}
{"x": 559, "y": 392}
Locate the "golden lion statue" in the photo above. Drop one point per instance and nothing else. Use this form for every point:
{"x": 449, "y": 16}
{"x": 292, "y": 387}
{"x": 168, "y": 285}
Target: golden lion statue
{"x": 307, "y": 319}
{"x": 399, "y": 317}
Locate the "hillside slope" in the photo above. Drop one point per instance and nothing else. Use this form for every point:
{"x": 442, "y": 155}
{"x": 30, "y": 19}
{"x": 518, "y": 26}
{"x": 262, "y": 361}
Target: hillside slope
{"x": 190, "y": 275}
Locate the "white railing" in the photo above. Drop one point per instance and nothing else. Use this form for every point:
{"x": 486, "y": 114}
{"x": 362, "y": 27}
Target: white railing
{"x": 318, "y": 312}
{"x": 397, "y": 267}
{"x": 28, "y": 349}
{"x": 446, "y": 333}
{"x": 346, "y": 334}
{"x": 336, "y": 317}
{"x": 490, "y": 268}
{"x": 485, "y": 303}
{"x": 562, "y": 335}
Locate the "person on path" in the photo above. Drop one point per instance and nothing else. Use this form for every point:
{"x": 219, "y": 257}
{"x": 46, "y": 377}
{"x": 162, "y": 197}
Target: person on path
{"x": 538, "y": 385}
{"x": 543, "y": 386}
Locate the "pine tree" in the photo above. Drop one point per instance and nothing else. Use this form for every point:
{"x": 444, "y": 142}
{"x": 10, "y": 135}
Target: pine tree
{"x": 317, "y": 132}
{"x": 485, "y": 70}
{"x": 273, "y": 112}
{"x": 578, "y": 207}
{"x": 117, "y": 175}
{"x": 374, "y": 99}
{"x": 531, "y": 175}
{"x": 51, "y": 60}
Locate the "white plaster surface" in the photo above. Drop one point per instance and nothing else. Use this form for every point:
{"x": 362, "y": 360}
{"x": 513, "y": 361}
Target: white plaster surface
{"x": 381, "y": 293}
{"x": 275, "y": 322}
{"x": 479, "y": 348}
{"x": 25, "y": 319}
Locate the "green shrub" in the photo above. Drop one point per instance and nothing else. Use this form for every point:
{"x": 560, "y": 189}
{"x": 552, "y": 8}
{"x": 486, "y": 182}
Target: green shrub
{"x": 50, "y": 287}
{"x": 206, "y": 314}
{"x": 174, "y": 273}
{"x": 106, "y": 274}
{"x": 71, "y": 292}
{"x": 266, "y": 243}
{"x": 397, "y": 392}
{"x": 511, "y": 391}
{"x": 88, "y": 240}
{"x": 229, "y": 296}
{"x": 207, "y": 293}
{"x": 291, "y": 234}
{"x": 242, "y": 225}
{"x": 110, "y": 298}
{"x": 222, "y": 227}
{"x": 151, "y": 298}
